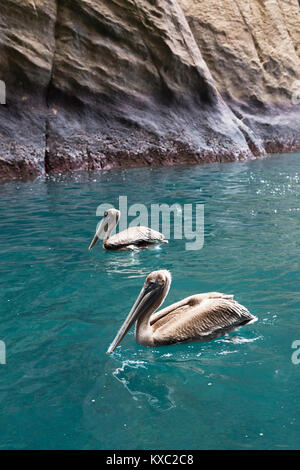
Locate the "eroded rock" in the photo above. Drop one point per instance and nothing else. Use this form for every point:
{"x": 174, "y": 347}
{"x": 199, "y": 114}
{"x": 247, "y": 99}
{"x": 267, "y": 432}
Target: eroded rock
{"x": 96, "y": 85}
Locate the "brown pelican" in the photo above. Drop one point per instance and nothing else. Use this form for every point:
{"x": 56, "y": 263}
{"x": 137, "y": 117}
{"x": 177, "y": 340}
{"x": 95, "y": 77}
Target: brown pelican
{"x": 132, "y": 238}
{"x": 200, "y": 317}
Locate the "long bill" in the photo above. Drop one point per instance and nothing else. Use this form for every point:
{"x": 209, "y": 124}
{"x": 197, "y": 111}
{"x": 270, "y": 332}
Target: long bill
{"x": 147, "y": 297}
{"x": 94, "y": 241}
{"x": 99, "y": 232}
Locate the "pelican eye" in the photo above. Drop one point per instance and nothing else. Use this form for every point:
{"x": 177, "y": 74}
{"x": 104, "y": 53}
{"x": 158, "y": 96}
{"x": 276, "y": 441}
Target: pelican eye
{"x": 153, "y": 284}
{"x": 150, "y": 284}
{"x": 105, "y": 214}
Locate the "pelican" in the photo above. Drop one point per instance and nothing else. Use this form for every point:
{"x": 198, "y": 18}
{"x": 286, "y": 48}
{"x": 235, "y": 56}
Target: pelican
{"x": 200, "y": 317}
{"x": 130, "y": 239}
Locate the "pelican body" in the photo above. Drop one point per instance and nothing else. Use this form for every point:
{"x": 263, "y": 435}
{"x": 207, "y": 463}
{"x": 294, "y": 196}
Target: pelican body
{"x": 130, "y": 239}
{"x": 200, "y": 317}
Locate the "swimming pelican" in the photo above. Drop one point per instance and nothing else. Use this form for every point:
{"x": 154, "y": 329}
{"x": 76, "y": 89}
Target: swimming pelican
{"x": 130, "y": 239}
{"x": 200, "y": 317}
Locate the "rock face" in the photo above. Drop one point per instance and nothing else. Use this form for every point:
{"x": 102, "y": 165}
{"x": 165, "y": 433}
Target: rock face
{"x": 97, "y": 84}
{"x": 252, "y": 49}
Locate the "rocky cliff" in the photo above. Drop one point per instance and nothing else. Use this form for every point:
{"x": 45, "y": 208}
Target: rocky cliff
{"x": 97, "y": 84}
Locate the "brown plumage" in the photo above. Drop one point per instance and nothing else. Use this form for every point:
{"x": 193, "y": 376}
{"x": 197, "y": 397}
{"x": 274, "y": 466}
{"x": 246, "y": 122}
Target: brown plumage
{"x": 200, "y": 317}
{"x": 129, "y": 239}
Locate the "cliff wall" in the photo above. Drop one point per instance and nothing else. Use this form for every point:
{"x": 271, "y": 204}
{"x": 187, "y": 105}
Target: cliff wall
{"x": 97, "y": 84}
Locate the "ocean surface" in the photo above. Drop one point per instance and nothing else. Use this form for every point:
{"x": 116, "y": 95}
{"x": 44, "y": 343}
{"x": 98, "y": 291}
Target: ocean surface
{"x": 61, "y": 306}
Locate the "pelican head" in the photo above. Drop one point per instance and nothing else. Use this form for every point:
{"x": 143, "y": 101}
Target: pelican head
{"x": 152, "y": 295}
{"x": 110, "y": 220}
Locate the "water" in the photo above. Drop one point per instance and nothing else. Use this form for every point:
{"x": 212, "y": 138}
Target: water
{"x": 61, "y": 306}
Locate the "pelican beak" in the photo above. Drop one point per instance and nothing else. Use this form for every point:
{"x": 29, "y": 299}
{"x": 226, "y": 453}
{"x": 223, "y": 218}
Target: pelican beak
{"x": 101, "y": 230}
{"x": 148, "y": 295}
{"x": 94, "y": 241}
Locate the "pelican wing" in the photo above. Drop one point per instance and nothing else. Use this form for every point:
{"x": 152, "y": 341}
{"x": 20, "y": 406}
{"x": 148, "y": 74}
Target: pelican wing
{"x": 200, "y": 320}
{"x": 136, "y": 236}
{"x": 186, "y": 304}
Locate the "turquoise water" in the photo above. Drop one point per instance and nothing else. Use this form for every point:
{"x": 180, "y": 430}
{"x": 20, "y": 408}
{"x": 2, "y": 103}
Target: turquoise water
{"x": 61, "y": 306}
